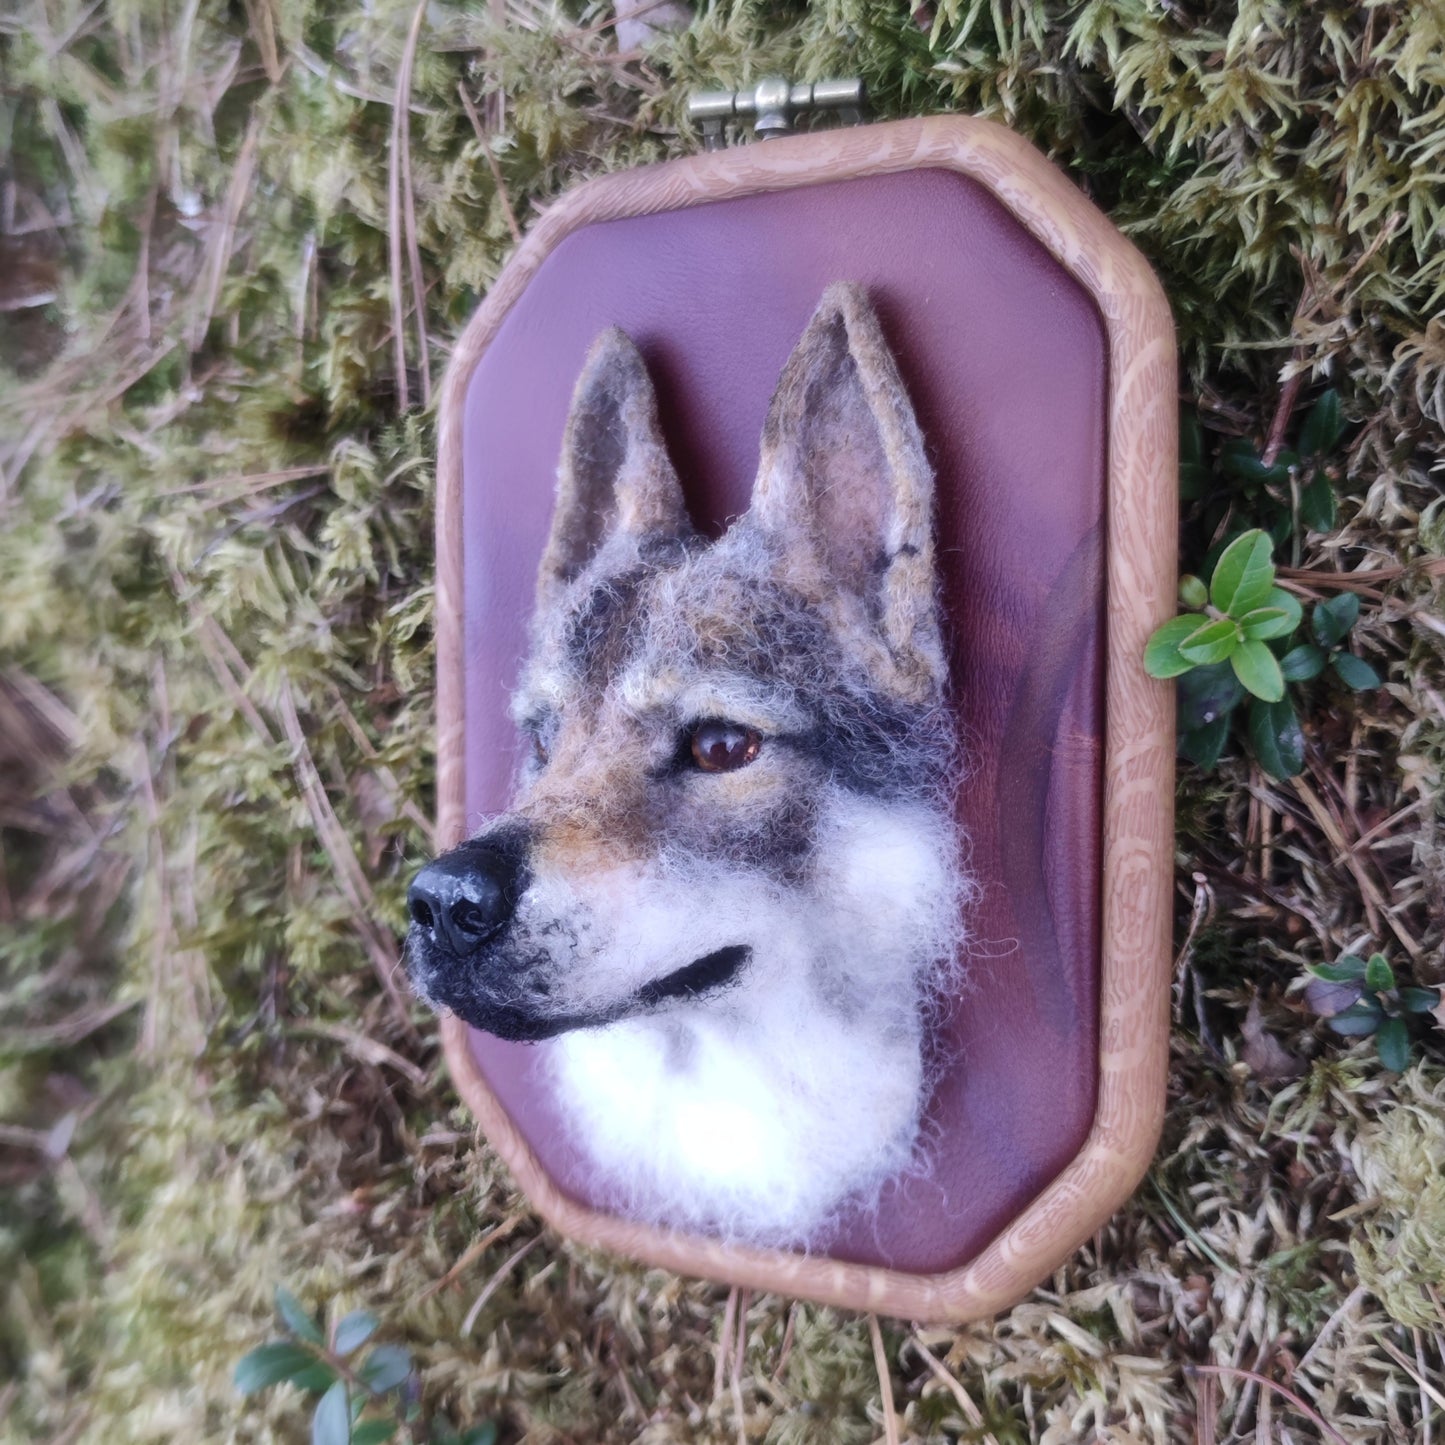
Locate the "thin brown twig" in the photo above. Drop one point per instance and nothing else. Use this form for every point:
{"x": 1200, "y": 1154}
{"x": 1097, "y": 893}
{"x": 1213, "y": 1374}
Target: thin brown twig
{"x": 492, "y": 1285}
{"x": 1330, "y": 1325}
{"x": 786, "y": 1348}
{"x": 954, "y": 1386}
{"x": 1376, "y": 905}
{"x": 1400, "y": 1359}
{"x": 724, "y": 1344}
{"x": 344, "y": 864}
{"x": 401, "y": 225}
{"x": 469, "y": 1257}
{"x": 1265, "y": 1383}
{"x": 394, "y": 245}
{"x": 251, "y": 482}
{"x": 413, "y": 248}
{"x": 1311, "y": 579}
{"x": 221, "y": 240}
{"x": 739, "y": 1358}
{"x": 262, "y": 23}
{"x": 885, "y": 1381}
{"x": 491, "y": 160}
{"x": 1428, "y": 1430}
{"x": 369, "y": 1051}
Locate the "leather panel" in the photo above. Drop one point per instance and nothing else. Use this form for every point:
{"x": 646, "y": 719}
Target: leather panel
{"x": 1005, "y": 357}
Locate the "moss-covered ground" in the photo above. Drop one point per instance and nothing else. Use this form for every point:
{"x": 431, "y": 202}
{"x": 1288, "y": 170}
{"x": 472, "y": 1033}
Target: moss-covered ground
{"x": 217, "y": 221}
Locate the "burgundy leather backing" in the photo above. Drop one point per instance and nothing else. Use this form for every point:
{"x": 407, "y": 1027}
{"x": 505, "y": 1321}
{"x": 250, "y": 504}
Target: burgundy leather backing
{"x": 1005, "y": 357}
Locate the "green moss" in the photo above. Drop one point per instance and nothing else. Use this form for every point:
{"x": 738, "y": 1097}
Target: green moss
{"x": 214, "y": 511}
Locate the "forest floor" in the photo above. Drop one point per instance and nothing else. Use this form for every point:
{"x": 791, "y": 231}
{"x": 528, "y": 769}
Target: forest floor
{"x": 217, "y": 222}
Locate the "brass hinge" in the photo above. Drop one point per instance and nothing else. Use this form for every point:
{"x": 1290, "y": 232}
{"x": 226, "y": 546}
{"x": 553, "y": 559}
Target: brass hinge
{"x": 773, "y": 105}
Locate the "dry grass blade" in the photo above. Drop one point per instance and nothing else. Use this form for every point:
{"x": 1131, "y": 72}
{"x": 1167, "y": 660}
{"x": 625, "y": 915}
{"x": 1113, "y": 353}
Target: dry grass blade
{"x": 737, "y": 1359}
{"x": 221, "y": 239}
{"x": 1376, "y": 905}
{"x": 345, "y": 865}
{"x": 1417, "y": 1375}
{"x": 473, "y": 1253}
{"x": 401, "y": 219}
{"x": 954, "y": 1386}
{"x": 1265, "y": 1383}
{"x": 495, "y": 1282}
{"x": 885, "y": 1381}
{"x": 370, "y": 1051}
{"x": 725, "y": 1344}
{"x": 491, "y": 161}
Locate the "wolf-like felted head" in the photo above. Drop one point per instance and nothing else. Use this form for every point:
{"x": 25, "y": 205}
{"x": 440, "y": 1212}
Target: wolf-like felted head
{"x": 729, "y": 874}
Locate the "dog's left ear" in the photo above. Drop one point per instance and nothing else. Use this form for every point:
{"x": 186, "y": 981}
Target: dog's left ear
{"x": 615, "y": 479}
{"x": 844, "y": 484}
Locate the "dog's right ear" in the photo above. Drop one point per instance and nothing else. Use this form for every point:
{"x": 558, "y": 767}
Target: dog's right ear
{"x": 615, "y": 478}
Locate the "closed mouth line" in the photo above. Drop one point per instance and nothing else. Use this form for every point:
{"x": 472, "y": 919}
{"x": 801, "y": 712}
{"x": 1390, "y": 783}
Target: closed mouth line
{"x": 704, "y": 975}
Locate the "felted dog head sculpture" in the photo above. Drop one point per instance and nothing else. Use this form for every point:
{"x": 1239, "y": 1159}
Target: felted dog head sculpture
{"x": 728, "y": 884}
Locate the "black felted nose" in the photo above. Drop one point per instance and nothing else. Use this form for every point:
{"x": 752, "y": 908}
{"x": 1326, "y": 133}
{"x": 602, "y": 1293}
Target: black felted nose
{"x": 464, "y": 897}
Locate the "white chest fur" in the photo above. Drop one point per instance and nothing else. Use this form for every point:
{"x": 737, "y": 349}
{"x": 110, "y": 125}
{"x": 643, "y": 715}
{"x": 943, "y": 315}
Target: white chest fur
{"x": 754, "y": 1127}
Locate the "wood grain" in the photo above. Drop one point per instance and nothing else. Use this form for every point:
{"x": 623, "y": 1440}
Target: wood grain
{"x": 1139, "y": 730}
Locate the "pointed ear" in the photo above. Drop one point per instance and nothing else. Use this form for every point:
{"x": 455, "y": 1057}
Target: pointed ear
{"x": 614, "y": 478}
{"x": 844, "y": 484}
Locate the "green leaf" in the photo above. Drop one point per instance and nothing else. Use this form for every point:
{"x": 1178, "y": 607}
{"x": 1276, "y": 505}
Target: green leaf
{"x": 1161, "y": 655}
{"x": 1265, "y": 622}
{"x": 1420, "y": 1000}
{"x": 1240, "y": 458}
{"x": 1255, "y": 666}
{"x": 1243, "y": 575}
{"x": 386, "y": 1367}
{"x": 1302, "y": 663}
{"x": 1359, "y": 1020}
{"x": 1193, "y": 593}
{"x": 1379, "y": 976}
{"x": 270, "y": 1364}
{"x": 1323, "y": 427}
{"x": 373, "y": 1432}
{"x": 320, "y": 1376}
{"x": 481, "y": 1435}
{"x": 1354, "y": 671}
{"x": 1275, "y": 737}
{"x": 331, "y": 1424}
{"x": 1193, "y": 481}
{"x": 1214, "y": 642}
{"x": 1203, "y": 746}
{"x": 1332, "y": 620}
{"x": 1206, "y": 695}
{"x": 1280, "y": 615}
{"x": 1350, "y": 968}
{"x": 1329, "y": 999}
{"x": 296, "y": 1319}
{"x": 353, "y": 1331}
{"x": 1393, "y": 1045}
{"x": 1317, "y": 504}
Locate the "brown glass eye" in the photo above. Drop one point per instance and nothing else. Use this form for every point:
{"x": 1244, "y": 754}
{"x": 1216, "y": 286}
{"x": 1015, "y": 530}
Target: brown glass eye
{"x": 724, "y": 747}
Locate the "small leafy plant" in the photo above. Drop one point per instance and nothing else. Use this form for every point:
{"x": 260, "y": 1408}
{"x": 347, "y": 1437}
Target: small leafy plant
{"x": 366, "y": 1396}
{"x": 1221, "y": 651}
{"x": 1289, "y": 492}
{"x": 1358, "y": 997}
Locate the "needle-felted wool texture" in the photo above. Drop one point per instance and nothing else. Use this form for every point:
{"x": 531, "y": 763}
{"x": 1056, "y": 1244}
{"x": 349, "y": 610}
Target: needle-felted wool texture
{"x": 731, "y": 961}
{"x": 216, "y": 725}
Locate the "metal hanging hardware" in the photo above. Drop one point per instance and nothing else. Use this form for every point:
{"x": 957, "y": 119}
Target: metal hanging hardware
{"x": 772, "y": 105}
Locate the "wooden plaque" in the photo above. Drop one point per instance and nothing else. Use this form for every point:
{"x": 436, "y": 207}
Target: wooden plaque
{"x": 1126, "y": 1007}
